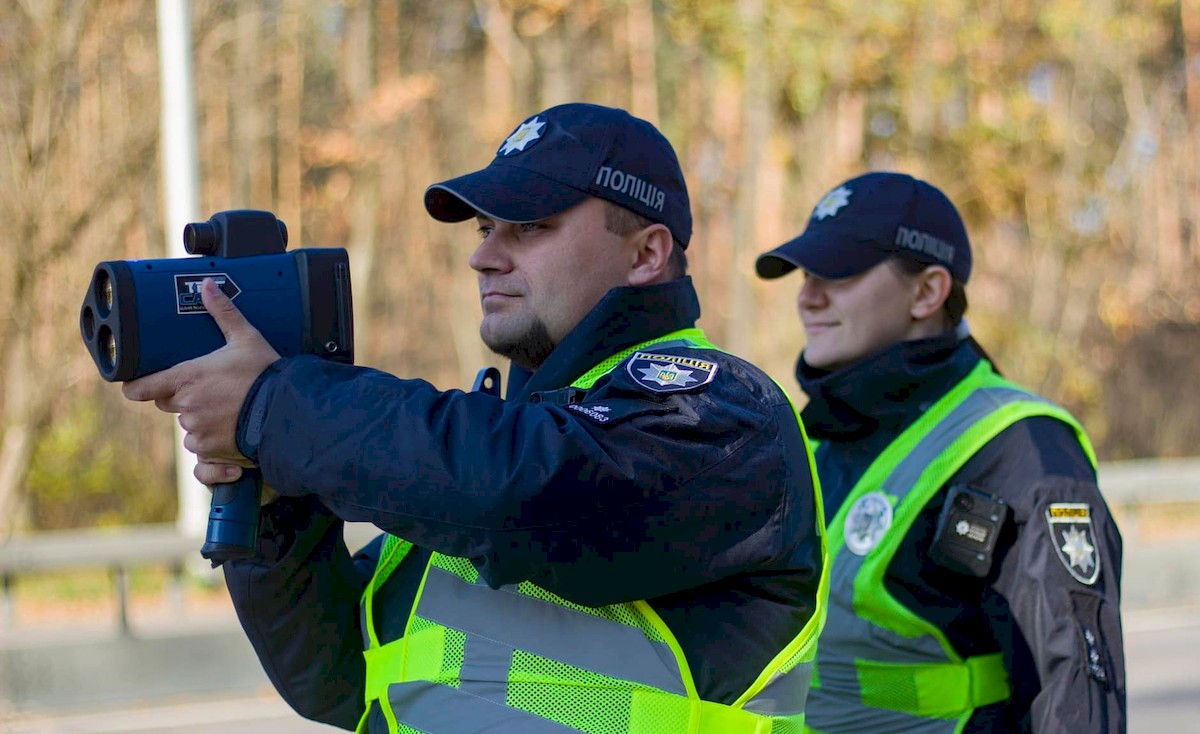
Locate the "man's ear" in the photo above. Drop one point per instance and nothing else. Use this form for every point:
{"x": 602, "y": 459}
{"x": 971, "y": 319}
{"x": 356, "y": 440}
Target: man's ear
{"x": 651, "y": 255}
{"x": 931, "y": 287}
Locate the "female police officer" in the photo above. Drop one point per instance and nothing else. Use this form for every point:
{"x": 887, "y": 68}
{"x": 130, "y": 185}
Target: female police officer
{"x": 630, "y": 543}
{"x": 975, "y": 566}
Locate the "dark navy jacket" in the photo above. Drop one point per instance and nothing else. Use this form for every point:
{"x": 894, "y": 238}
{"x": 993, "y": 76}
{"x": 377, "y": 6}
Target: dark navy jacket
{"x": 699, "y": 500}
{"x": 1029, "y": 607}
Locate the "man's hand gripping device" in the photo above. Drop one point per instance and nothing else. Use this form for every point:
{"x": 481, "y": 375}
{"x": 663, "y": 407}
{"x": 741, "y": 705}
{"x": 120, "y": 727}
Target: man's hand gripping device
{"x": 142, "y": 316}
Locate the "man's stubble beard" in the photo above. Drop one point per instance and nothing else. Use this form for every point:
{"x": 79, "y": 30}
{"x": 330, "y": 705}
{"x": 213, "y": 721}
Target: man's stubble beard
{"x": 528, "y": 349}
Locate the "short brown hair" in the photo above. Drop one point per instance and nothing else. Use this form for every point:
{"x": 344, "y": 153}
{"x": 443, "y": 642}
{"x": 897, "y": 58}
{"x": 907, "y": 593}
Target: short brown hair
{"x": 624, "y": 222}
{"x": 955, "y": 306}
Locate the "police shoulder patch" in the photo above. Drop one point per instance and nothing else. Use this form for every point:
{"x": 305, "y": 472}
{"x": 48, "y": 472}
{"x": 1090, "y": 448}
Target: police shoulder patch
{"x": 1073, "y": 538}
{"x": 662, "y": 373}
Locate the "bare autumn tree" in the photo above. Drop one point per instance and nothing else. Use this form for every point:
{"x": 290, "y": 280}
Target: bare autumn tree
{"x": 77, "y": 144}
{"x": 1066, "y": 133}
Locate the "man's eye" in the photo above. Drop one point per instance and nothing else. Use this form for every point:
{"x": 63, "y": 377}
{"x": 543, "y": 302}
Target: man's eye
{"x": 530, "y": 226}
{"x": 484, "y": 230}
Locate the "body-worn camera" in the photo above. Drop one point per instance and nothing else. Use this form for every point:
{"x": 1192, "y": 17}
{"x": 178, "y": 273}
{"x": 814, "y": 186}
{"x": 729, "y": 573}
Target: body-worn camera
{"x": 967, "y": 531}
{"x": 142, "y": 316}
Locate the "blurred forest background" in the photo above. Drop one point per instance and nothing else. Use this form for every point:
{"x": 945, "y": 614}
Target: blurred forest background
{"x": 1067, "y": 131}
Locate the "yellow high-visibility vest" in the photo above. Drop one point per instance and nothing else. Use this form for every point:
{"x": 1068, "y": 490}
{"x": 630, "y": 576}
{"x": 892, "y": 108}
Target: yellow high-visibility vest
{"x": 881, "y": 667}
{"x": 521, "y": 659}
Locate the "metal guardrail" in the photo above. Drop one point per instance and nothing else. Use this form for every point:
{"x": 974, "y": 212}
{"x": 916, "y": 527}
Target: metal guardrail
{"x": 115, "y": 549}
{"x": 1125, "y": 484}
{"x": 1150, "y": 481}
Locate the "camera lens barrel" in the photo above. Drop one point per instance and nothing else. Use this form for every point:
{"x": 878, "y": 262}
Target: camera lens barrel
{"x": 236, "y": 233}
{"x": 200, "y": 238}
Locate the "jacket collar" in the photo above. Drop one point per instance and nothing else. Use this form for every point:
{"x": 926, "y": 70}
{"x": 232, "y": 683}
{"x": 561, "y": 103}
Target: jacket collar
{"x": 883, "y": 393}
{"x": 623, "y": 318}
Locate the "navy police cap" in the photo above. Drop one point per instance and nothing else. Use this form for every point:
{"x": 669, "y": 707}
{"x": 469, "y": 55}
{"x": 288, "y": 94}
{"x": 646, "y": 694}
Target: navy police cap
{"x": 558, "y": 157}
{"x": 872, "y": 217}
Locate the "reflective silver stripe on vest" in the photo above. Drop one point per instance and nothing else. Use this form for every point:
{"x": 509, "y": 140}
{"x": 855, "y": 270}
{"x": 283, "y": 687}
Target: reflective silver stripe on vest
{"x": 784, "y": 696}
{"x": 363, "y": 625}
{"x": 481, "y": 659}
{"x": 837, "y": 704}
{"x": 436, "y": 708}
{"x": 549, "y": 630}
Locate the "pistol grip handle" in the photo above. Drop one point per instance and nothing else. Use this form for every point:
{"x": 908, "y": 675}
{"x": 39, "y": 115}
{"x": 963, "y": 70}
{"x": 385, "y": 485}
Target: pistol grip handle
{"x": 233, "y": 519}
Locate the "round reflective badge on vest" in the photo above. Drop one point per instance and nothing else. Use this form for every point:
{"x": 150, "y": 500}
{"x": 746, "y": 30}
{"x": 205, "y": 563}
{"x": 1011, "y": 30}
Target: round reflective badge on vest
{"x": 867, "y": 521}
{"x": 1073, "y": 538}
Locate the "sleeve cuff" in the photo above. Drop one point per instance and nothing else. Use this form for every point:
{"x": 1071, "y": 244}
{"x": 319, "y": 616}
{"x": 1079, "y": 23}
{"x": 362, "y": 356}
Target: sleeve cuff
{"x": 254, "y": 412}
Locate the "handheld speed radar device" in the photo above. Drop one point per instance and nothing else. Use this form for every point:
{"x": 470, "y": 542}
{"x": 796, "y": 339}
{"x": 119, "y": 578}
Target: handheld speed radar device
{"x": 142, "y": 316}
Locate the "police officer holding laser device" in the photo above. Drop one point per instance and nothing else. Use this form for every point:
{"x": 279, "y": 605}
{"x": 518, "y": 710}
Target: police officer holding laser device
{"x": 632, "y": 541}
{"x": 975, "y": 567}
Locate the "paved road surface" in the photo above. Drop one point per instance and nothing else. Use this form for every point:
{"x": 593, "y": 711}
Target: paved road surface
{"x": 1162, "y": 647}
{"x": 1163, "y": 664}
{"x": 265, "y": 714}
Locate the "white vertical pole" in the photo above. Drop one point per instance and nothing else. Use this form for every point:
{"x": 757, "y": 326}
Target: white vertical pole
{"x": 181, "y": 188}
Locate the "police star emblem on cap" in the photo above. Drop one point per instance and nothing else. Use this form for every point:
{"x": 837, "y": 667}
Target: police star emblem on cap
{"x": 524, "y": 136}
{"x": 832, "y": 202}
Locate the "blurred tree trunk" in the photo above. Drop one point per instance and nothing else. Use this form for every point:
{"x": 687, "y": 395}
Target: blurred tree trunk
{"x": 253, "y": 63}
{"x": 75, "y": 136}
{"x": 21, "y": 428}
{"x": 553, "y": 52}
{"x": 1189, "y": 22}
{"x": 755, "y": 128}
{"x": 505, "y": 60}
{"x": 290, "y": 118}
{"x": 357, "y": 82}
{"x": 643, "y": 70}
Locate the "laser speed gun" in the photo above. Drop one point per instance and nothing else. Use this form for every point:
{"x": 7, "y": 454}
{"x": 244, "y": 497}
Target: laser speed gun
{"x": 142, "y": 316}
